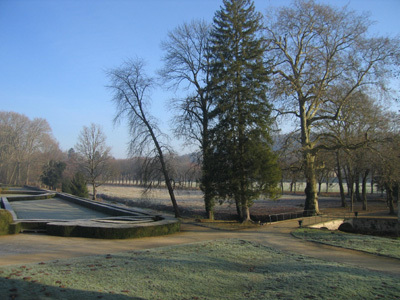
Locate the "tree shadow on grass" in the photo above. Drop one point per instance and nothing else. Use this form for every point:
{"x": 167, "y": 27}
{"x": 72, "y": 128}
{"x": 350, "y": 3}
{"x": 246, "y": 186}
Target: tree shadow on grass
{"x": 27, "y": 289}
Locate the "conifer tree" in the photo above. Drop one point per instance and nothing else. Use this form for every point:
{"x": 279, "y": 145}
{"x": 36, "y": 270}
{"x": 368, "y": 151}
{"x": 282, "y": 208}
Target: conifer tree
{"x": 52, "y": 173}
{"x": 76, "y": 186}
{"x": 244, "y": 165}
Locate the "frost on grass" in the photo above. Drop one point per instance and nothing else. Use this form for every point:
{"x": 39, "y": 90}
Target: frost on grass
{"x": 228, "y": 269}
{"x": 371, "y": 244}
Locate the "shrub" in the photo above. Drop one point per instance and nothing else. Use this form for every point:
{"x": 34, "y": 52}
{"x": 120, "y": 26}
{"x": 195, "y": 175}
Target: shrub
{"x": 77, "y": 186}
{"x": 5, "y": 220}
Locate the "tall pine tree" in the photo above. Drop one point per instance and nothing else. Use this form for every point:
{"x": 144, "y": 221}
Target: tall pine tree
{"x": 244, "y": 166}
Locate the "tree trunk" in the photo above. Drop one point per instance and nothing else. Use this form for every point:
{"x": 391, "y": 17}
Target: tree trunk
{"x": 364, "y": 189}
{"x": 372, "y": 182}
{"x": 357, "y": 184}
{"x": 238, "y": 207}
{"x": 389, "y": 198}
{"x": 167, "y": 180}
{"x": 319, "y": 187}
{"x": 163, "y": 165}
{"x": 244, "y": 203}
{"x": 206, "y": 184}
{"x": 311, "y": 203}
{"x": 340, "y": 179}
{"x": 209, "y": 203}
{"x": 94, "y": 191}
{"x": 327, "y": 184}
{"x": 351, "y": 193}
{"x": 245, "y": 214}
{"x": 28, "y": 169}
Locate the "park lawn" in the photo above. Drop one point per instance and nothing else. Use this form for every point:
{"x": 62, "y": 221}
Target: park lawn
{"x": 223, "y": 269}
{"x": 371, "y": 244}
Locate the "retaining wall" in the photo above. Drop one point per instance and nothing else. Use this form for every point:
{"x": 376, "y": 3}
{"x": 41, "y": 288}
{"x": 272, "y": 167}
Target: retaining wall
{"x": 378, "y": 226}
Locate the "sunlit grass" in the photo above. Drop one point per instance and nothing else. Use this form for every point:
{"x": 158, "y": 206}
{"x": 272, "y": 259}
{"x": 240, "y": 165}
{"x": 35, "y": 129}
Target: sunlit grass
{"x": 371, "y": 244}
{"x": 227, "y": 269}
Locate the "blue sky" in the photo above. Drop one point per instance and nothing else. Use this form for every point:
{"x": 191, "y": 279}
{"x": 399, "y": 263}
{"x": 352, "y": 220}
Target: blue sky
{"x": 53, "y": 54}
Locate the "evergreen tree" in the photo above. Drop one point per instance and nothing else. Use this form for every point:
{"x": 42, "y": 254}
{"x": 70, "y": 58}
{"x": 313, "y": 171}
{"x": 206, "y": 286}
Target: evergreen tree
{"x": 52, "y": 173}
{"x": 77, "y": 186}
{"x": 244, "y": 165}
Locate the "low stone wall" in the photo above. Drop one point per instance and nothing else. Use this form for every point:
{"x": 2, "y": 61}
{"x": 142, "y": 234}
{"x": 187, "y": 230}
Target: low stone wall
{"x": 379, "y": 226}
{"x": 373, "y": 226}
{"x": 96, "y": 229}
{"x": 363, "y": 225}
{"x": 330, "y": 225}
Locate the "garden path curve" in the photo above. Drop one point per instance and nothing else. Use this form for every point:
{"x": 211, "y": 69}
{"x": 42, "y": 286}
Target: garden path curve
{"x": 29, "y": 248}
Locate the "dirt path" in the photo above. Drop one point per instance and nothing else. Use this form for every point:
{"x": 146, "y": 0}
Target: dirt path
{"x": 24, "y": 248}
{"x": 278, "y": 236}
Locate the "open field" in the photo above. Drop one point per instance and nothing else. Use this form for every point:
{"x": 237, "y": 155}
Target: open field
{"x": 224, "y": 269}
{"x": 192, "y": 205}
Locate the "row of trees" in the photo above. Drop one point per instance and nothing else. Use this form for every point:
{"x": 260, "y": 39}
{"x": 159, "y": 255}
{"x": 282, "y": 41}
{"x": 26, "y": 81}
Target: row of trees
{"x": 316, "y": 64}
{"x": 184, "y": 171}
{"x": 375, "y": 162}
{"x": 29, "y": 155}
{"x": 25, "y": 146}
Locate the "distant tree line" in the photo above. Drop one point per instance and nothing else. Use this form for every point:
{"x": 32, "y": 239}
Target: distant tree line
{"x": 184, "y": 170}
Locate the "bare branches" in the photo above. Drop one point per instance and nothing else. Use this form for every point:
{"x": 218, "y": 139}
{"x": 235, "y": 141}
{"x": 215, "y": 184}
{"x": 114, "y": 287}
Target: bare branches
{"x": 322, "y": 56}
{"x": 95, "y": 156}
{"x": 186, "y": 62}
{"x": 131, "y": 88}
{"x": 25, "y": 145}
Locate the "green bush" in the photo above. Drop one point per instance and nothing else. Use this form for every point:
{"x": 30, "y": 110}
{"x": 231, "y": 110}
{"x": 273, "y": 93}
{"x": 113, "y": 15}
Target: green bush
{"x": 77, "y": 186}
{"x": 5, "y": 220}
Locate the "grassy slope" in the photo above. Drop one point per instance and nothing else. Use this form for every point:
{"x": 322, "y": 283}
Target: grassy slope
{"x": 227, "y": 269}
{"x": 371, "y": 244}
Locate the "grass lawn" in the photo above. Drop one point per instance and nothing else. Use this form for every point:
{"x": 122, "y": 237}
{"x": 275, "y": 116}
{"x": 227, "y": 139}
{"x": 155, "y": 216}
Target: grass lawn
{"x": 224, "y": 269}
{"x": 371, "y": 244}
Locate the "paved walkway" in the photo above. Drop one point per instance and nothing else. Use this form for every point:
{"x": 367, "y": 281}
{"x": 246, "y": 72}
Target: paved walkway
{"x": 26, "y": 248}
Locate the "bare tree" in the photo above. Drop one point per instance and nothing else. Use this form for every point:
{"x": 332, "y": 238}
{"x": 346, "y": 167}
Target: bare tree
{"x": 360, "y": 126}
{"x": 186, "y": 62}
{"x": 38, "y": 138}
{"x": 131, "y": 87}
{"x": 321, "y": 56}
{"x": 95, "y": 156}
{"x": 25, "y": 146}
{"x": 387, "y": 170}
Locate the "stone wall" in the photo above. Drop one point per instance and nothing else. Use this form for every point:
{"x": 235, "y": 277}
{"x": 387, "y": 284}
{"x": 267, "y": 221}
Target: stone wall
{"x": 379, "y": 226}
